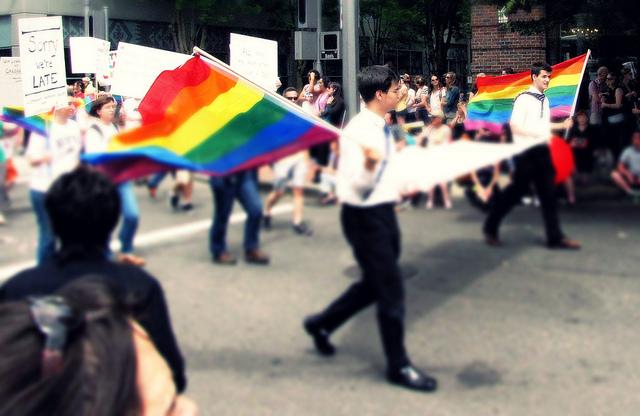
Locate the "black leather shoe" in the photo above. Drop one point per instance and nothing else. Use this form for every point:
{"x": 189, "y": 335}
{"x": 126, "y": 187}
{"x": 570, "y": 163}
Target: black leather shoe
{"x": 565, "y": 244}
{"x": 225, "y": 258}
{"x": 320, "y": 338}
{"x": 412, "y": 378}
{"x": 492, "y": 240}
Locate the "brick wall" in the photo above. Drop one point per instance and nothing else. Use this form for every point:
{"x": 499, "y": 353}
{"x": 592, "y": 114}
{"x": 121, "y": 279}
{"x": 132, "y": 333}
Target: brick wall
{"x": 494, "y": 47}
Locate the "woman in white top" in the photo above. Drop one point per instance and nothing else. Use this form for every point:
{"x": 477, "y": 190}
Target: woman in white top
{"x": 97, "y": 139}
{"x": 50, "y": 157}
{"x": 436, "y": 93}
{"x": 438, "y": 134}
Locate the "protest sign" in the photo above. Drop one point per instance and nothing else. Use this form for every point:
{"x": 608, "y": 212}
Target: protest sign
{"x": 88, "y": 55}
{"x": 10, "y": 82}
{"x": 255, "y": 59}
{"x": 139, "y": 66}
{"x": 44, "y": 81}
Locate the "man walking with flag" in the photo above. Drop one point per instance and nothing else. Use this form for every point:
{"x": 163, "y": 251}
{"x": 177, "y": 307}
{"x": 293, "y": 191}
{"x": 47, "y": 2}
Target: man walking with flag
{"x": 531, "y": 123}
{"x": 370, "y": 226}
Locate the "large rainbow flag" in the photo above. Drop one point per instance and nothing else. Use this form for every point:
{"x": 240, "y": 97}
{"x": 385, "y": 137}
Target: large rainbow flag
{"x": 204, "y": 117}
{"x": 36, "y": 124}
{"x": 492, "y": 106}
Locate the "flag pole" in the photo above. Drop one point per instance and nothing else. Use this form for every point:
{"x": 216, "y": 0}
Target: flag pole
{"x": 293, "y": 107}
{"x": 575, "y": 98}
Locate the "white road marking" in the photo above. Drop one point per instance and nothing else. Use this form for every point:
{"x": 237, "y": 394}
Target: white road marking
{"x": 154, "y": 237}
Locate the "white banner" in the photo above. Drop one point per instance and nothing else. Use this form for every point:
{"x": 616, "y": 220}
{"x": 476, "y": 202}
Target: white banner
{"x": 44, "y": 79}
{"x": 416, "y": 168}
{"x": 255, "y": 59}
{"x": 139, "y": 66}
{"x": 88, "y": 55}
{"x": 10, "y": 82}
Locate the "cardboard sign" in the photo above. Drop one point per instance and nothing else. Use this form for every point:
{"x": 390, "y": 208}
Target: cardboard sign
{"x": 88, "y": 55}
{"x": 139, "y": 66}
{"x": 44, "y": 80}
{"x": 255, "y": 59}
{"x": 10, "y": 82}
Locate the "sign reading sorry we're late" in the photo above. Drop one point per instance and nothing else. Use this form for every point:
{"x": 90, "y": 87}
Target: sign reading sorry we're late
{"x": 44, "y": 80}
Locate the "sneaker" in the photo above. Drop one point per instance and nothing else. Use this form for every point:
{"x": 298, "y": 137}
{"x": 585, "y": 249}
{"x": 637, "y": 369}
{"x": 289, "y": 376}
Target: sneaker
{"x": 429, "y": 205}
{"x": 266, "y": 222}
{"x": 302, "y": 229}
{"x": 448, "y": 205}
{"x": 187, "y": 207}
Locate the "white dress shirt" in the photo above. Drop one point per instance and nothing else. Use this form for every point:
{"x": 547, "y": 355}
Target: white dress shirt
{"x": 357, "y": 186}
{"x": 527, "y": 115}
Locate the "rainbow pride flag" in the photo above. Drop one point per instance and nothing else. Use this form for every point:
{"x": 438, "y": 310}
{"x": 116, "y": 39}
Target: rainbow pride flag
{"x": 492, "y": 106}
{"x": 204, "y": 117}
{"x": 36, "y": 124}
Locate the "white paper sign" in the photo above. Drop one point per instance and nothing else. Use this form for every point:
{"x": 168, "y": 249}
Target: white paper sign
{"x": 255, "y": 59}
{"x": 104, "y": 75}
{"x": 139, "y": 66}
{"x": 88, "y": 55}
{"x": 10, "y": 82}
{"x": 44, "y": 79}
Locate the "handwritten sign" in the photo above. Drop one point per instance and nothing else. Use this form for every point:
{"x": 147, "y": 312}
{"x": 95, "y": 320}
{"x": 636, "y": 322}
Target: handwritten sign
{"x": 88, "y": 55}
{"x": 44, "y": 80}
{"x": 255, "y": 59}
{"x": 10, "y": 82}
{"x": 139, "y": 66}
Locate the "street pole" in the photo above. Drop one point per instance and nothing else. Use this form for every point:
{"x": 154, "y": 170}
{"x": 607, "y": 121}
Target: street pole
{"x": 87, "y": 11}
{"x": 106, "y": 22}
{"x": 350, "y": 55}
{"x": 317, "y": 64}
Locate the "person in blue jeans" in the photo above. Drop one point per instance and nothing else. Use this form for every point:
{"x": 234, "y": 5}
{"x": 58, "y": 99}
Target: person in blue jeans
{"x": 225, "y": 190}
{"x": 50, "y": 156}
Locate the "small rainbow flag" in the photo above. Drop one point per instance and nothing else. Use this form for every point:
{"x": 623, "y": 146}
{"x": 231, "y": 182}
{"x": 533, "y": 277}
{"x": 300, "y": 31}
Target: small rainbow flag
{"x": 492, "y": 106}
{"x": 36, "y": 124}
{"x": 204, "y": 117}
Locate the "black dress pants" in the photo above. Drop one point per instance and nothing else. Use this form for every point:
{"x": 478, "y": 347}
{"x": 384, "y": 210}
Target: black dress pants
{"x": 374, "y": 237}
{"x": 532, "y": 166}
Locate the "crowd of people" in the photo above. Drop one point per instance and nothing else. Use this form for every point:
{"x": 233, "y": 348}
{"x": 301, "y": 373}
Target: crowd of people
{"x": 81, "y": 294}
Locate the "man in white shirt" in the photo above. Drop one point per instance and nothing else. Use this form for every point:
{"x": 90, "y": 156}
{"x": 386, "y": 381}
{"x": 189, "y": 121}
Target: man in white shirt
{"x": 531, "y": 123}
{"x": 371, "y": 228}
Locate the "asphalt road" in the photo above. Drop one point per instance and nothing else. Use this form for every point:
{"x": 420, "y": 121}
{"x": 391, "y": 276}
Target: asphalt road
{"x": 518, "y": 330}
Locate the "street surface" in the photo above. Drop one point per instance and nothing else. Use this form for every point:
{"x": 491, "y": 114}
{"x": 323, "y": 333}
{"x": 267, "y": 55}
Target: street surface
{"x": 518, "y": 330}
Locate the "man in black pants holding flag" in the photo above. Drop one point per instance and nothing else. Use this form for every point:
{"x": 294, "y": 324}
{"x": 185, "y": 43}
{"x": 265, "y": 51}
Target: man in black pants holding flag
{"x": 531, "y": 123}
{"x": 371, "y": 228}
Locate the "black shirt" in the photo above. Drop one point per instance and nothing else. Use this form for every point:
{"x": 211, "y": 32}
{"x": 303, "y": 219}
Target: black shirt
{"x": 149, "y": 305}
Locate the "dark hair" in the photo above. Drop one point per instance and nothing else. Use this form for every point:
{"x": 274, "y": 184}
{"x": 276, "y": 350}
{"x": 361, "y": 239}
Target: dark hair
{"x": 325, "y": 80}
{"x": 508, "y": 70}
{"x": 315, "y": 72}
{"x": 375, "y": 78}
{"x": 100, "y": 102}
{"x": 289, "y": 89}
{"x": 540, "y": 66}
{"x": 83, "y": 207}
{"x": 337, "y": 89}
{"x": 80, "y": 85}
{"x": 419, "y": 80}
{"x": 97, "y": 375}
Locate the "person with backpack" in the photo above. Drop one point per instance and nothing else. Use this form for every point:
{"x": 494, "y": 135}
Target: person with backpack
{"x": 97, "y": 138}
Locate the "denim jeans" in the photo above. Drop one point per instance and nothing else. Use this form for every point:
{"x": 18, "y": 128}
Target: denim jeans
{"x": 130, "y": 215}
{"x": 46, "y": 240}
{"x": 244, "y": 187}
{"x": 156, "y": 179}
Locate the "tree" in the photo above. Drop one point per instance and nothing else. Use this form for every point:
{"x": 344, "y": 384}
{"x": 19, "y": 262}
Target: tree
{"x": 441, "y": 22}
{"x": 191, "y": 17}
